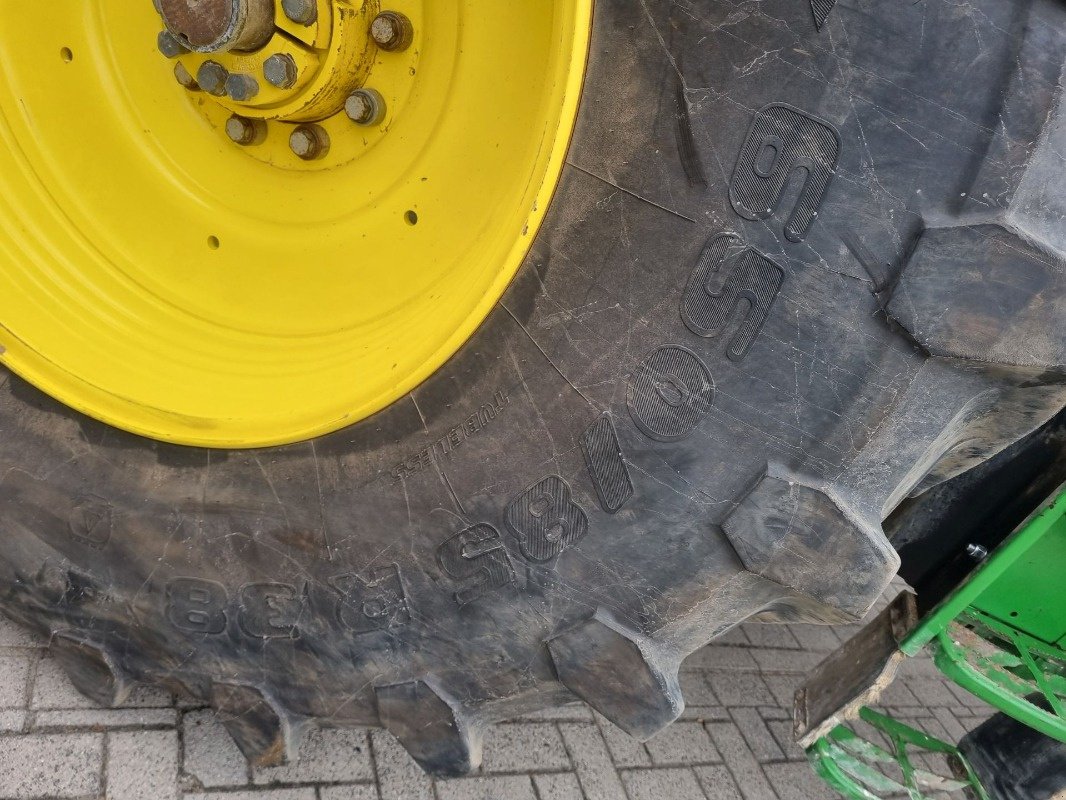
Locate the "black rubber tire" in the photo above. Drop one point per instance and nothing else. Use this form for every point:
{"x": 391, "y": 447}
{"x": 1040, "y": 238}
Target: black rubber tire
{"x": 686, "y": 411}
{"x": 1014, "y": 762}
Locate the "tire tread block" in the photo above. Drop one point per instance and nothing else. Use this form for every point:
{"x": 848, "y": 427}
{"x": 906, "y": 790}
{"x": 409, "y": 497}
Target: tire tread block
{"x": 435, "y": 729}
{"x": 627, "y": 677}
{"x": 266, "y": 734}
{"x": 788, "y": 530}
{"x": 981, "y": 293}
{"x": 91, "y": 668}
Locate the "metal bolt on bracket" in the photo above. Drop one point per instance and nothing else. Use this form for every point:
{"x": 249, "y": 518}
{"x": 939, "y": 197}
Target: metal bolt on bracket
{"x": 244, "y": 131}
{"x": 365, "y": 107}
{"x": 977, "y": 552}
{"x": 302, "y": 12}
{"x": 212, "y": 78}
{"x": 392, "y": 31}
{"x": 241, "y": 88}
{"x": 309, "y": 142}
{"x": 280, "y": 71}
{"x": 185, "y": 78}
{"x": 169, "y": 45}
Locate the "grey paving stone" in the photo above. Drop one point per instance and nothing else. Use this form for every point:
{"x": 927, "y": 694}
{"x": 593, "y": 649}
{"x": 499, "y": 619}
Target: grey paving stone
{"x": 770, "y": 635}
{"x": 259, "y": 794}
{"x": 757, "y": 735}
{"x": 529, "y": 747}
{"x": 563, "y": 786}
{"x": 52, "y": 688}
{"x": 51, "y": 765}
{"x": 625, "y": 750}
{"x": 816, "y": 638}
{"x": 211, "y": 756}
{"x": 363, "y": 791}
{"x": 742, "y": 764}
{"x": 142, "y": 765}
{"x": 775, "y": 712}
{"x": 936, "y": 729}
{"x": 13, "y": 719}
{"x": 14, "y": 679}
{"x": 897, "y": 694}
{"x": 696, "y": 690}
{"x": 658, "y": 784}
{"x": 734, "y": 636}
{"x": 106, "y": 718}
{"x": 740, "y": 689}
{"x": 705, "y": 714}
{"x": 932, "y": 692}
{"x": 966, "y": 698}
{"x": 955, "y": 730}
{"x": 722, "y": 657}
{"x": 682, "y": 743}
{"x": 717, "y": 783}
{"x": 14, "y": 635}
{"x": 798, "y": 782}
{"x": 920, "y": 667}
{"x": 571, "y": 712}
{"x": 589, "y": 753}
{"x": 787, "y": 662}
{"x": 149, "y": 697}
{"x": 514, "y": 787}
{"x": 783, "y": 688}
{"x": 782, "y": 733}
{"x": 399, "y": 777}
{"x": 338, "y": 755}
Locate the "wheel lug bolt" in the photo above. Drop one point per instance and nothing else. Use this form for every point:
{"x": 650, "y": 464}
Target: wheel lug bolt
{"x": 241, "y": 88}
{"x": 212, "y": 78}
{"x": 302, "y": 12}
{"x": 169, "y": 45}
{"x": 309, "y": 142}
{"x": 244, "y": 131}
{"x": 183, "y": 77}
{"x": 392, "y": 31}
{"x": 365, "y": 107}
{"x": 280, "y": 71}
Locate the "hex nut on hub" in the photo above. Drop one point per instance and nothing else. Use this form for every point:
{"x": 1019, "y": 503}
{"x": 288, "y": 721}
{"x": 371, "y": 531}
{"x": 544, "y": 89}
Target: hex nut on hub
{"x": 241, "y": 88}
{"x": 392, "y": 31}
{"x": 169, "y": 45}
{"x": 244, "y": 131}
{"x": 185, "y": 78}
{"x": 280, "y": 71}
{"x": 212, "y": 78}
{"x": 365, "y": 107}
{"x": 309, "y": 142}
{"x": 302, "y": 12}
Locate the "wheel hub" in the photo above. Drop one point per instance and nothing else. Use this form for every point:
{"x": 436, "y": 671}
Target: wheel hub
{"x": 283, "y": 217}
{"x": 294, "y": 63}
{"x": 210, "y": 26}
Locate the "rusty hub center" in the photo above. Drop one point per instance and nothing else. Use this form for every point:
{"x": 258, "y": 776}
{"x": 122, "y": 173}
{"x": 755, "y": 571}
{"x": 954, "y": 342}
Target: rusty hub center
{"x": 213, "y": 26}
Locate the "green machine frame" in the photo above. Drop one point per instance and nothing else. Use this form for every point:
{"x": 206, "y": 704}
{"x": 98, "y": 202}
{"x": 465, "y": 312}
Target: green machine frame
{"x": 1001, "y": 635}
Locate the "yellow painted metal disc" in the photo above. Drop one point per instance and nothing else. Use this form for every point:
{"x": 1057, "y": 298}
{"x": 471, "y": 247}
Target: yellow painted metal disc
{"x": 161, "y": 278}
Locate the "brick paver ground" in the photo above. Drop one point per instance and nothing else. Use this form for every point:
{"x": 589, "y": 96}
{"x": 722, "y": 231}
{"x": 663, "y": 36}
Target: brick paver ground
{"x": 732, "y": 743}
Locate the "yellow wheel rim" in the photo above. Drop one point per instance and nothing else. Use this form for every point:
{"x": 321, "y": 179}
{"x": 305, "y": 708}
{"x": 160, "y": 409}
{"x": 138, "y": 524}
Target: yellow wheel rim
{"x": 162, "y": 278}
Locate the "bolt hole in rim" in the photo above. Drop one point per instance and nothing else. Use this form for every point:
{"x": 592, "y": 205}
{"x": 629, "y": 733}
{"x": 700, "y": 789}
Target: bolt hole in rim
{"x": 328, "y": 302}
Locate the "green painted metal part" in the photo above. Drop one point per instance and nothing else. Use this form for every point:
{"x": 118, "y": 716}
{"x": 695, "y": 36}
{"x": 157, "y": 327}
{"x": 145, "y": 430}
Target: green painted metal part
{"x": 1020, "y": 584}
{"x": 864, "y": 770}
{"x": 1001, "y": 634}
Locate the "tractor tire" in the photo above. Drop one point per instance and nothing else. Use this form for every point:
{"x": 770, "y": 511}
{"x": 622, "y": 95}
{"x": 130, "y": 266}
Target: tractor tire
{"x": 806, "y": 260}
